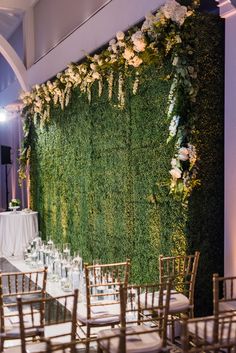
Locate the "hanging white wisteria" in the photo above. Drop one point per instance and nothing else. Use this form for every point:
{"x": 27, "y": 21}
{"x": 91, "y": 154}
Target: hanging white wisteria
{"x": 126, "y": 55}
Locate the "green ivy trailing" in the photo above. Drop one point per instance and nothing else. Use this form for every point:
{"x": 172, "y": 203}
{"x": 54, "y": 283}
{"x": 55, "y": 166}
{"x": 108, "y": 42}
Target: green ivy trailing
{"x": 100, "y": 168}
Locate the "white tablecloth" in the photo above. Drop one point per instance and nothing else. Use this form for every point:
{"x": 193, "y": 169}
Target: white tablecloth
{"x": 16, "y": 230}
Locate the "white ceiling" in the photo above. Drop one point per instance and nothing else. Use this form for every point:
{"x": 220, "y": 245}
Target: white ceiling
{"x": 9, "y": 21}
{"x": 11, "y": 14}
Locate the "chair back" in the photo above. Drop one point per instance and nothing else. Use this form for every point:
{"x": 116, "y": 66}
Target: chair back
{"x": 208, "y": 334}
{"x": 50, "y": 317}
{"x": 147, "y": 304}
{"x": 28, "y": 284}
{"x": 182, "y": 270}
{"x": 103, "y": 283}
{"x": 224, "y": 294}
{"x": 144, "y": 314}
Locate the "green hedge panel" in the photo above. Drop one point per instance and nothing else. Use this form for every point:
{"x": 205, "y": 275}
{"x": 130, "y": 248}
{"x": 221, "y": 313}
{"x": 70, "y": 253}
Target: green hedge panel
{"x": 94, "y": 166}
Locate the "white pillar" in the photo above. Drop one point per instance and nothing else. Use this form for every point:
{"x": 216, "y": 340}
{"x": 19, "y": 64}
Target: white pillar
{"x": 228, "y": 12}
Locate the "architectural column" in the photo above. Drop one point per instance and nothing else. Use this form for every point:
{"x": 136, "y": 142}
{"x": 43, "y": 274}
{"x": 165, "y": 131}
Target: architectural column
{"x": 228, "y": 12}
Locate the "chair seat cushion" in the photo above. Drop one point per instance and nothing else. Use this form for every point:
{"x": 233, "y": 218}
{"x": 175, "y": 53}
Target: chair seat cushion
{"x": 178, "y": 301}
{"x": 100, "y": 314}
{"x": 227, "y": 329}
{"x": 139, "y": 339}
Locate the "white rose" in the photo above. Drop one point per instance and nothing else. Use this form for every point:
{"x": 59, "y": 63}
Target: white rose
{"x": 128, "y": 54}
{"x": 183, "y": 154}
{"x": 120, "y": 35}
{"x": 175, "y": 173}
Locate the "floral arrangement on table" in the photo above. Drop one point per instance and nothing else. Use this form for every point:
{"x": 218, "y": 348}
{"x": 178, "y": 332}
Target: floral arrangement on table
{"x": 159, "y": 37}
{"x": 14, "y": 203}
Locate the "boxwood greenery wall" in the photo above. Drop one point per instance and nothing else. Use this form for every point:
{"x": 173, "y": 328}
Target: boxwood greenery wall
{"x": 94, "y": 166}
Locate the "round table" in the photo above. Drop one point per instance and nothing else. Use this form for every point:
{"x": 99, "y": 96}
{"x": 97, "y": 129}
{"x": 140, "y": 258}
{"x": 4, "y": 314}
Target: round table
{"x": 17, "y": 229}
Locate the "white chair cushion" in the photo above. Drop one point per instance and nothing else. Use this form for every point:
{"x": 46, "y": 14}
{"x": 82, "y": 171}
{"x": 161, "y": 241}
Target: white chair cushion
{"x": 100, "y": 315}
{"x": 138, "y": 341}
{"x": 178, "y": 301}
{"x": 205, "y": 331}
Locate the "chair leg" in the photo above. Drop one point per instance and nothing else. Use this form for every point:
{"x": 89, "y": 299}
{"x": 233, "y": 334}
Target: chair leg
{"x": 1, "y": 344}
{"x": 87, "y": 338}
{"x": 172, "y": 329}
{"x": 99, "y": 349}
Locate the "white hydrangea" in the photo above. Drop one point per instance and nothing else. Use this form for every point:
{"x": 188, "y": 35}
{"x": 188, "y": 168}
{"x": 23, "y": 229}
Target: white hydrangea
{"x": 179, "y": 14}
{"x": 174, "y": 11}
{"x": 169, "y": 8}
{"x": 138, "y": 41}
{"x": 148, "y": 23}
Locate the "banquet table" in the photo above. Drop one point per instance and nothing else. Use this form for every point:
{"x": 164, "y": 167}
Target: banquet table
{"x": 16, "y": 230}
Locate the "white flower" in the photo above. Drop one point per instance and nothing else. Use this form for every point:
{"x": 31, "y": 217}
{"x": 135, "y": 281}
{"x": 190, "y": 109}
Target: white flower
{"x": 96, "y": 76}
{"x": 148, "y": 23}
{"x": 192, "y": 154}
{"x": 96, "y": 57}
{"x": 174, "y": 125}
{"x": 113, "y": 58}
{"x": 174, "y": 11}
{"x": 128, "y": 54}
{"x": 169, "y": 8}
{"x": 114, "y": 48}
{"x": 183, "y": 154}
{"x": 135, "y": 61}
{"x": 175, "y": 61}
{"x": 113, "y": 41}
{"x": 173, "y": 162}
{"x": 139, "y": 41}
{"x": 121, "y": 44}
{"x": 175, "y": 173}
{"x": 179, "y": 14}
{"x": 120, "y": 35}
{"x": 93, "y": 67}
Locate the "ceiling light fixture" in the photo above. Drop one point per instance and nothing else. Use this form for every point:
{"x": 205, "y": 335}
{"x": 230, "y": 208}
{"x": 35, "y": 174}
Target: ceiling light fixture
{"x": 3, "y": 115}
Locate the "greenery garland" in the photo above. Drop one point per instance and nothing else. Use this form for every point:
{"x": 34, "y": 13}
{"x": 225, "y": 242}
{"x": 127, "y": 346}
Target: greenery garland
{"x": 158, "y": 38}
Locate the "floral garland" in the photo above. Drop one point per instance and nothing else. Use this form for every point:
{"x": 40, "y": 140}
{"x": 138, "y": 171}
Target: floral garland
{"x": 159, "y": 37}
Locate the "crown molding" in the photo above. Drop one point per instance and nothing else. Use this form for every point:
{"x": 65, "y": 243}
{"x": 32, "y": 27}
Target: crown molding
{"x": 227, "y": 8}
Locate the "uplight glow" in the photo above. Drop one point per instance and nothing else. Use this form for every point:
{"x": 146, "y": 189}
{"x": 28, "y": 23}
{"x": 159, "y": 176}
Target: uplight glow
{"x": 3, "y": 115}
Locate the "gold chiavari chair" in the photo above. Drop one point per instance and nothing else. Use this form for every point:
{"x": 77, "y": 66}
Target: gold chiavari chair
{"x": 50, "y": 317}
{"x": 208, "y": 334}
{"x": 102, "y": 307}
{"x": 182, "y": 271}
{"x": 224, "y": 294}
{"x": 28, "y": 285}
{"x": 143, "y": 321}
